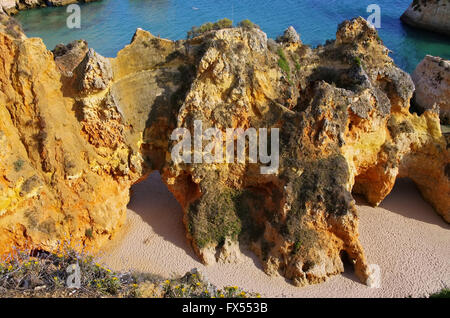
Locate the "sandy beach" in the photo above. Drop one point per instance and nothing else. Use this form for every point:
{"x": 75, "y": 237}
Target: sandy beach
{"x": 403, "y": 236}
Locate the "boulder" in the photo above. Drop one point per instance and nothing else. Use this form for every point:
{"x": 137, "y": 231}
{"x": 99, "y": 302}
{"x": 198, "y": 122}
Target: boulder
{"x": 59, "y": 3}
{"x": 432, "y": 80}
{"x": 29, "y": 4}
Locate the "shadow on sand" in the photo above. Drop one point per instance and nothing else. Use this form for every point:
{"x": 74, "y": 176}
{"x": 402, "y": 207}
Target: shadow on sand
{"x": 157, "y": 207}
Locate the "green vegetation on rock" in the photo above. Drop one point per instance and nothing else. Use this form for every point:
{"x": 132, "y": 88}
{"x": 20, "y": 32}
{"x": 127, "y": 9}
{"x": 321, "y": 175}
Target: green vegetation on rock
{"x": 18, "y": 164}
{"x": 223, "y": 214}
{"x": 215, "y": 218}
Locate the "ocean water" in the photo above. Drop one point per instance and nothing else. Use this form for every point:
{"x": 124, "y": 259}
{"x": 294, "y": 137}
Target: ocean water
{"x": 109, "y": 25}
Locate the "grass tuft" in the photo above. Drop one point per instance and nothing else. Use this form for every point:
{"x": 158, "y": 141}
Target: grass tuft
{"x": 357, "y": 61}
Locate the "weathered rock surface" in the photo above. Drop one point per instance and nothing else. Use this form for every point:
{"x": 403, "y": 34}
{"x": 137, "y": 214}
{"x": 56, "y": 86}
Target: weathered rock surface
{"x": 68, "y": 57}
{"x": 432, "y": 80}
{"x": 93, "y": 73}
{"x": 290, "y": 35}
{"x": 432, "y": 15}
{"x": 71, "y": 152}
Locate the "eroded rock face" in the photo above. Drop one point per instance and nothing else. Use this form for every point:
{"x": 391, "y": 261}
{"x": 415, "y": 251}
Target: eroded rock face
{"x": 68, "y": 57}
{"x": 432, "y": 15}
{"x": 342, "y": 111}
{"x": 432, "y": 80}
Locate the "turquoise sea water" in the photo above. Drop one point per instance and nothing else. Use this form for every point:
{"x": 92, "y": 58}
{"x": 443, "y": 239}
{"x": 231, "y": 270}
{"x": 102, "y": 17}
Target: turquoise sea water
{"x": 109, "y": 25}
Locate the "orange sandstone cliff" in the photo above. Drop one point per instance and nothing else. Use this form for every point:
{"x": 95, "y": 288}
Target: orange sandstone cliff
{"x": 77, "y": 130}
{"x": 431, "y": 15}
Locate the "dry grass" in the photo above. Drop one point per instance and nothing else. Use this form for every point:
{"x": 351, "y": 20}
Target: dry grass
{"x": 34, "y": 273}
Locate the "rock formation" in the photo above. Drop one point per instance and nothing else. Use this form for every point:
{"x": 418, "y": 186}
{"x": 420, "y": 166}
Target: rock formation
{"x": 68, "y": 57}
{"x": 54, "y": 186}
{"x": 432, "y": 80}
{"x": 432, "y": 15}
{"x": 75, "y": 139}
{"x": 11, "y": 7}
{"x": 290, "y": 35}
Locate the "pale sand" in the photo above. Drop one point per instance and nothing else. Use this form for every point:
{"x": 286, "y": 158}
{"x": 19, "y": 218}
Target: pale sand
{"x": 404, "y": 236}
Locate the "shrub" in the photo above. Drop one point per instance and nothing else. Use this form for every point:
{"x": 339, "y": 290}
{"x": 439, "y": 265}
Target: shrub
{"x": 223, "y": 24}
{"x": 247, "y": 24}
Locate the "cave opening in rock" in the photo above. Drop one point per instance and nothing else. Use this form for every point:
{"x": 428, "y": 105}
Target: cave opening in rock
{"x": 152, "y": 201}
{"x": 405, "y": 199}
